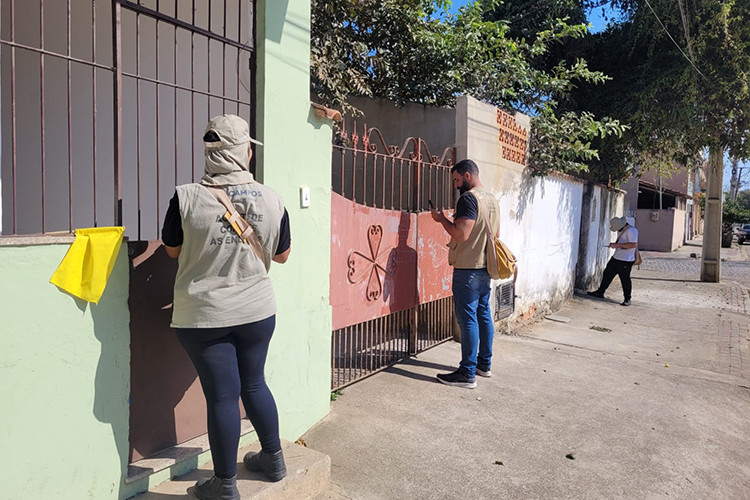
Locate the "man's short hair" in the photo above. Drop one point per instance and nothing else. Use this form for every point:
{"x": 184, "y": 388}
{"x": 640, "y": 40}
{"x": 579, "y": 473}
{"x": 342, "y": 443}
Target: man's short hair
{"x": 465, "y": 166}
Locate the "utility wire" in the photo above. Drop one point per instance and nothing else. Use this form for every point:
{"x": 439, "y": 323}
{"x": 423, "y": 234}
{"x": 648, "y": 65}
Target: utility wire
{"x": 675, "y": 43}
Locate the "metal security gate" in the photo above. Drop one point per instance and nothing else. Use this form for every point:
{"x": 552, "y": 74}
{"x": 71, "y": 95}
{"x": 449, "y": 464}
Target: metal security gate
{"x": 57, "y": 121}
{"x": 385, "y": 303}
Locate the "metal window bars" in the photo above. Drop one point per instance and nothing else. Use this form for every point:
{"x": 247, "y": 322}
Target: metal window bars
{"x": 103, "y": 103}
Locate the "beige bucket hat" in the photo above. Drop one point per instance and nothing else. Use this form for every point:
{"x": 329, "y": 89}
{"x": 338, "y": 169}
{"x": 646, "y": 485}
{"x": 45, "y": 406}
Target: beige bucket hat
{"x": 617, "y": 223}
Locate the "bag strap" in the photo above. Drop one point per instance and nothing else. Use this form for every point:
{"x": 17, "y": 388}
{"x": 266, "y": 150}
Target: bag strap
{"x": 485, "y": 218}
{"x": 619, "y": 235}
{"x": 240, "y": 225}
{"x": 492, "y": 262}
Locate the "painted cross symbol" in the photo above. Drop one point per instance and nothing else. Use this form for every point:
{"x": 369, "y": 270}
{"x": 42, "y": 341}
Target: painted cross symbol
{"x": 377, "y": 265}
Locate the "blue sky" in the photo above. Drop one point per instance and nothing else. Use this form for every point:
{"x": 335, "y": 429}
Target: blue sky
{"x": 595, "y": 17}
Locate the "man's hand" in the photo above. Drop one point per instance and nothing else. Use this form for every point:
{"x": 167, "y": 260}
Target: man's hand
{"x": 459, "y": 230}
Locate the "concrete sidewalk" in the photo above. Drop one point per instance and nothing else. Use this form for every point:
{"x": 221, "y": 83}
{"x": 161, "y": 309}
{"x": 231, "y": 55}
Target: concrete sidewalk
{"x": 647, "y": 401}
{"x": 695, "y": 246}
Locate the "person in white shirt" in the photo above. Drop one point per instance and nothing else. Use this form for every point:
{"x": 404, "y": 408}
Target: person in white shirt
{"x": 622, "y": 261}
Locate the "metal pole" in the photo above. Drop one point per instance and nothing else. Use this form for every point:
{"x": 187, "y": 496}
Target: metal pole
{"x": 117, "y": 101}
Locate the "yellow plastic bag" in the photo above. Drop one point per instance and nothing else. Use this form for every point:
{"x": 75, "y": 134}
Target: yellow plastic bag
{"x": 86, "y": 267}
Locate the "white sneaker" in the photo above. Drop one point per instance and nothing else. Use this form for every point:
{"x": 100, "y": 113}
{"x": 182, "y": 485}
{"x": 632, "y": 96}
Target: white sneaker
{"x": 483, "y": 373}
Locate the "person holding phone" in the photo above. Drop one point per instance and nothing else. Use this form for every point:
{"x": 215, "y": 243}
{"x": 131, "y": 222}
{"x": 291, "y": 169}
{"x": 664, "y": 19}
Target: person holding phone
{"x": 471, "y": 281}
{"x": 622, "y": 261}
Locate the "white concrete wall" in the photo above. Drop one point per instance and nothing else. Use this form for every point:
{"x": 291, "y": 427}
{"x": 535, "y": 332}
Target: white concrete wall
{"x": 540, "y": 220}
{"x": 540, "y": 216}
{"x": 600, "y": 204}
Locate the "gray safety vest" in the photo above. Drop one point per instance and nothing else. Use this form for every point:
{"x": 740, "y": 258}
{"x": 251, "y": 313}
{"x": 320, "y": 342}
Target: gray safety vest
{"x": 220, "y": 281}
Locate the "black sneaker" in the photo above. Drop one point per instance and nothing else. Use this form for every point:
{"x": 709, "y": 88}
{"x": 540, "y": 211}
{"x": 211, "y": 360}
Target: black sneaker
{"x": 457, "y": 379}
{"x": 484, "y": 373}
{"x": 598, "y": 295}
{"x": 217, "y": 488}
{"x": 625, "y": 303}
{"x": 272, "y": 465}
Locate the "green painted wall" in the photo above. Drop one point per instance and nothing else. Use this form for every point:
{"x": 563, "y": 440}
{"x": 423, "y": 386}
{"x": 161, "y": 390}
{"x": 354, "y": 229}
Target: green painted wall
{"x": 65, "y": 372}
{"x": 65, "y": 364}
{"x": 296, "y": 153}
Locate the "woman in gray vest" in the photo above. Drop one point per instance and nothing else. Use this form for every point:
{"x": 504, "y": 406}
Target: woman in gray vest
{"x": 224, "y": 307}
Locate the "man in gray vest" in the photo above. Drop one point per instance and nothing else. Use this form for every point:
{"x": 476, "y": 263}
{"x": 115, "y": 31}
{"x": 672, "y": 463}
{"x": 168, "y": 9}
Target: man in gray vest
{"x": 471, "y": 281}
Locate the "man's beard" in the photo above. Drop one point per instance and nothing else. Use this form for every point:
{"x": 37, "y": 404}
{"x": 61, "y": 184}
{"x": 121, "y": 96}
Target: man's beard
{"x": 464, "y": 187}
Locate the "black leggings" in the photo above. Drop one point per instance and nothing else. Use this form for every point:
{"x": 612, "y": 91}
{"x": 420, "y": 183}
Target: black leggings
{"x": 230, "y": 363}
{"x": 619, "y": 268}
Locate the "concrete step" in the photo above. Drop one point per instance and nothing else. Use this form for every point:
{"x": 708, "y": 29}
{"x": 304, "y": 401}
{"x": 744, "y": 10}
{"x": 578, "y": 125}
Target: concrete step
{"x": 308, "y": 475}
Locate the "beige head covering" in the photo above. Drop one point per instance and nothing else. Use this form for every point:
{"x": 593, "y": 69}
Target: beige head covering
{"x": 227, "y": 160}
{"x": 617, "y": 223}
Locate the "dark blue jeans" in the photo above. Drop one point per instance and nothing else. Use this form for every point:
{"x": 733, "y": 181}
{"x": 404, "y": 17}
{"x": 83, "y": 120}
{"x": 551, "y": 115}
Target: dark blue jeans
{"x": 471, "y": 298}
{"x": 619, "y": 268}
{"x": 230, "y": 363}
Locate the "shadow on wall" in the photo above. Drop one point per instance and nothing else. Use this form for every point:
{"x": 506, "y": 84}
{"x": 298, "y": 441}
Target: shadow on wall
{"x": 275, "y": 29}
{"x": 112, "y": 383}
{"x": 527, "y": 191}
{"x": 551, "y": 205}
{"x": 584, "y": 280}
{"x": 567, "y": 212}
{"x": 161, "y": 372}
{"x": 280, "y": 23}
{"x": 401, "y": 268}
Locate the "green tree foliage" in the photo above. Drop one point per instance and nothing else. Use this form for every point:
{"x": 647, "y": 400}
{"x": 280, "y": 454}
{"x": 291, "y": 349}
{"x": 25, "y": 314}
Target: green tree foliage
{"x": 680, "y": 76}
{"x": 683, "y": 73}
{"x": 526, "y": 19}
{"x": 733, "y": 213}
{"x": 743, "y": 200}
{"x": 403, "y": 51}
